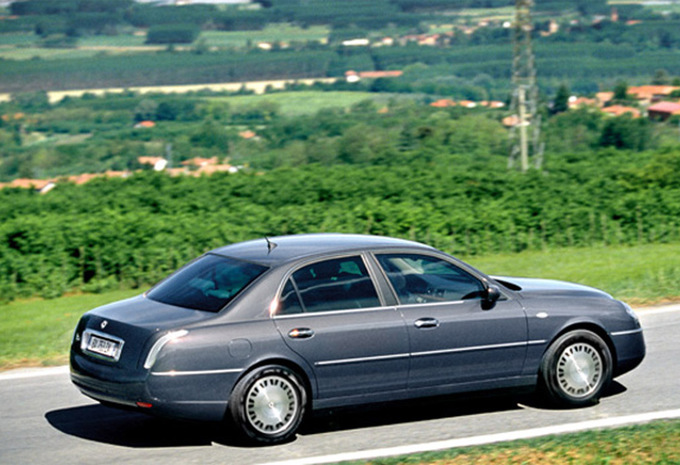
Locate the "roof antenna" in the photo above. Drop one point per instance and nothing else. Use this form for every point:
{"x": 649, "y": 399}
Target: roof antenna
{"x": 270, "y": 245}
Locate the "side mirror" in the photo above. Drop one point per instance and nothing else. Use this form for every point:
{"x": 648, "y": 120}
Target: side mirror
{"x": 491, "y": 295}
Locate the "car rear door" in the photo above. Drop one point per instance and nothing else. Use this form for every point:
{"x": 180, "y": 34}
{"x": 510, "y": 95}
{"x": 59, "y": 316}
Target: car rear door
{"x": 454, "y": 341}
{"x": 331, "y": 314}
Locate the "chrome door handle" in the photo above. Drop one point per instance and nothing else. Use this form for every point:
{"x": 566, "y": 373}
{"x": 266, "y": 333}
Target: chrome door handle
{"x": 300, "y": 333}
{"x": 425, "y": 323}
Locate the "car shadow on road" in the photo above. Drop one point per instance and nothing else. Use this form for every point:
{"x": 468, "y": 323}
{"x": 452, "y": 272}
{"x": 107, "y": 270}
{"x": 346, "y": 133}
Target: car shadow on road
{"x": 540, "y": 402}
{"x": 430, "y": 409}
{"x": 136, "y": 430}
{"x": 130, "y": 429}
{"x": 406, "y": 412}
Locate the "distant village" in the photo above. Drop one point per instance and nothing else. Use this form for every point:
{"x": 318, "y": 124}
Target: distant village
{"x": 652, "y": 101}
{"x": 193, "y": 167}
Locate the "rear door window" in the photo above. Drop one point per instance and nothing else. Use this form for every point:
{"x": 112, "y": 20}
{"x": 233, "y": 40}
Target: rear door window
{"x": 336, "y": 284}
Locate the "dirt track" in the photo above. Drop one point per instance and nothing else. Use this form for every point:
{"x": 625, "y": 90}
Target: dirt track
{"x": 256, "y": 86}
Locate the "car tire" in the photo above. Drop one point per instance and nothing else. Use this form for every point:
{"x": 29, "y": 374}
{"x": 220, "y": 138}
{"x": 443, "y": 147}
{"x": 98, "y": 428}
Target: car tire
{"x": 268, "y": 404}
{"x": 576, "y": 369}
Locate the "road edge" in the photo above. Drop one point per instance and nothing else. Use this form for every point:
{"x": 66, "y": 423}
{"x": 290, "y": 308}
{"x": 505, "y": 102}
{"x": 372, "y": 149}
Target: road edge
{"x": 604, "y": 423}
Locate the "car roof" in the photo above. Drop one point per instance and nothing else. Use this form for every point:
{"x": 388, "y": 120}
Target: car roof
{"x": 284, "y": 249}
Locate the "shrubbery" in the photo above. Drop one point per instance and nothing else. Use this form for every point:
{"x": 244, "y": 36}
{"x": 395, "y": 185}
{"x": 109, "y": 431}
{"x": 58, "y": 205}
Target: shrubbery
{"x": 172, "y": 34}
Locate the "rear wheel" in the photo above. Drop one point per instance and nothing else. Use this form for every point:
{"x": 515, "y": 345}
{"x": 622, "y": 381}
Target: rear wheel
{"x": 577, "y": 368}
{"x": 268, "y": 404}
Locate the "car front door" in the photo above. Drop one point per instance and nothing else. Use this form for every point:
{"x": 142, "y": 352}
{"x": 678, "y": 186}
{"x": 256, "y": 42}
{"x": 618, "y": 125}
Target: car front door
{"x": 454, "y": 340}
{"x": 330, "y": 314}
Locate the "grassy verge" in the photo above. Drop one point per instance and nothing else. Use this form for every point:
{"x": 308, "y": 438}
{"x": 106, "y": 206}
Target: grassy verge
{"x": 639, "y": 274}
{"x": 654, "y": 443}
{"x": 37, "y": 332}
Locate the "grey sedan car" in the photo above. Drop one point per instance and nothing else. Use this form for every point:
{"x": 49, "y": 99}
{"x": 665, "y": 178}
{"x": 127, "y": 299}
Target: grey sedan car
{"x": 261, "y": 332}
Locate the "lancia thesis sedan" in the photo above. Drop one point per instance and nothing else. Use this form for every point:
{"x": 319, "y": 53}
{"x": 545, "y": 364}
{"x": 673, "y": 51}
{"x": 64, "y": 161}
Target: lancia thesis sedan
{"x": 260, "y": 333}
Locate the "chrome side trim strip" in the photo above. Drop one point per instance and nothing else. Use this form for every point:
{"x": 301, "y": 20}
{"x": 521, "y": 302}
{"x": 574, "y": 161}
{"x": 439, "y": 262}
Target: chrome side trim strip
{"x": 375, "y": 358}
{"x": 626, "y": 333}
{"x": 196, "y": 373}
{"x": 431, "y": 352}
{"x": 432, "y": 304}
{"x": 475, "y": 348}
{"x": 332, "y": 312}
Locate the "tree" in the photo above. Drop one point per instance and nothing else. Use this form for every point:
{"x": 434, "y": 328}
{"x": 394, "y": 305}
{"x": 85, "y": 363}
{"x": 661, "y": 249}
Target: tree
{"x": 625, "y": 132}
{"x": 621, "y": 91}
{"x": 146, "y": 110}
{"x": 31, "y": 101}
{"x": 172, "y": 34}
{"x": 661, "y": 78}
{"x": 561, "y": 102}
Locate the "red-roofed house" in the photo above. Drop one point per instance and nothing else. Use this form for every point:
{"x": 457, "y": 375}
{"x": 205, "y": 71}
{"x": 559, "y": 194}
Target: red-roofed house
{"x": 41, "y": 185}
{"x": 82, "y": 178}
{"x": 651, "y": 93}
{"x": 379, "y": 74}
{"x": 197, "y": 161}
{"x": 663, "y": 110}
{"x": 511, "y": 121}
{"x": 492, "y": 104}
{"x": 581, "y": 102}
{"x": 618, "y": 110}
{"x": 158, "y": 163}
{"x": 443, "y": 103}
{"x": 467, "y": 104}
{"x": 604, "y": 97}
{"x": 145, "y": 125}
{"x": 352, "y": 76}
{"x": 247, "y": 134}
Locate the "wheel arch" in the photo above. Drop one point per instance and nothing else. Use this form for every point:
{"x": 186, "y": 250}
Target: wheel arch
{"x": 589, "y": 326}
{"x": 291, "y": 365}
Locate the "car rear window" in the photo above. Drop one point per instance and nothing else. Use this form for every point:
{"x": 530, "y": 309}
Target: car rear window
{"x": 209, "y": 283}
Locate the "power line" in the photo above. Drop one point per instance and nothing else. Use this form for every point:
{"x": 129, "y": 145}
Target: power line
{"x": 525, "y": 131}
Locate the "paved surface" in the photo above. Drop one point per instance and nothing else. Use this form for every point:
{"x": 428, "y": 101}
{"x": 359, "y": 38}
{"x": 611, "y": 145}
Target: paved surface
{"x": 44, "y": 419}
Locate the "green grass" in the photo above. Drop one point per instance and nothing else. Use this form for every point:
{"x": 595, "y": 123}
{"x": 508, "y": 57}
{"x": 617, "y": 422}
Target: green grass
{"x": 38, "y": 332}
{"x": 123, "y": 40}
{"x": 271, "y": 33}
{"x": 495, "y": 14}
{"x": 313, "y": 101}
{"x": 653, "y": 443}
{"x": 638, "y": 274}
{"x": 17, "y": 39}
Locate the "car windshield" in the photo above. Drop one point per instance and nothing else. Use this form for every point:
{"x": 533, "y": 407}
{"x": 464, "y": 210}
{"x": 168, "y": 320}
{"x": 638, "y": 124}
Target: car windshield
{"x": 209, "y": 283}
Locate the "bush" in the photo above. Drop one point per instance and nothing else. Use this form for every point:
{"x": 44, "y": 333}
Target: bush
{"x": 172, "y": 34}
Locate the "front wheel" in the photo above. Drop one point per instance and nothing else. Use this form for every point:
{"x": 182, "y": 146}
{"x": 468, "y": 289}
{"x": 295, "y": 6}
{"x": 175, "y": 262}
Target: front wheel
{"x": 577, "y": 368}
{"x": 268, "y": 404}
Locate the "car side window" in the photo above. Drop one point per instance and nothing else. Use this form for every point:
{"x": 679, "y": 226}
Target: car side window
{"x": 336, "y": 284}
{"x": 423, "y": 279}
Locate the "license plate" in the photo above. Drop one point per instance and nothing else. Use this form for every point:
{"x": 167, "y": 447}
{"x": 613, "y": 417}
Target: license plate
{"x": 103, "y": 345}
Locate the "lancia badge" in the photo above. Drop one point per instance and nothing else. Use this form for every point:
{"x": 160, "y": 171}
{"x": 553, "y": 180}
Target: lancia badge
{"x": 103, "y": 325}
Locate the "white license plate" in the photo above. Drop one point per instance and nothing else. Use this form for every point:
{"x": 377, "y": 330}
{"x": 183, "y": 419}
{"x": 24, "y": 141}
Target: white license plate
{"x": 104, "y": 346}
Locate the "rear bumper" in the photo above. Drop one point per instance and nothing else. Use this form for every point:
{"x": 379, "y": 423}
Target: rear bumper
{"x": 139, "y": 391}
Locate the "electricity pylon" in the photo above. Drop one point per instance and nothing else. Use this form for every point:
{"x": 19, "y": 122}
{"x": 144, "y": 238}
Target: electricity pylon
{"x": 525, "y": 133}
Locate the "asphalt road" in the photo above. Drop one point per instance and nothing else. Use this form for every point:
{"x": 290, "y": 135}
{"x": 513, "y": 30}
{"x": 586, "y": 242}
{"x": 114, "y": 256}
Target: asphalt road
{"x": 45, "y": 420}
